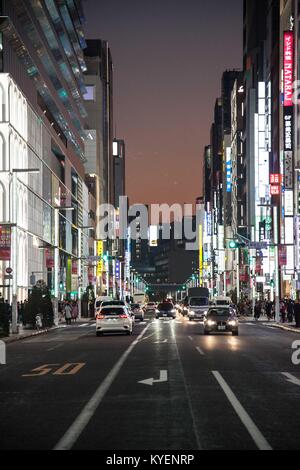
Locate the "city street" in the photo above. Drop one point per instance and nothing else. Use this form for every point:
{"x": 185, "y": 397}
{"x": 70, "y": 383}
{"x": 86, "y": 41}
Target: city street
{"x": 71, "y": 390}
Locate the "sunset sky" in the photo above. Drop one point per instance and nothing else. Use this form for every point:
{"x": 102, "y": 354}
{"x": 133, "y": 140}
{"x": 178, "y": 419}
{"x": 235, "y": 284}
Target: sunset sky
{"x": 168, "y": 57}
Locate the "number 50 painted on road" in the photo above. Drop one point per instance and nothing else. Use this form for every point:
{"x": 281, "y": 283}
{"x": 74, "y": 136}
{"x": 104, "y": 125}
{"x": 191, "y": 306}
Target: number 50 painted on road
{"x": 66, "y": 369}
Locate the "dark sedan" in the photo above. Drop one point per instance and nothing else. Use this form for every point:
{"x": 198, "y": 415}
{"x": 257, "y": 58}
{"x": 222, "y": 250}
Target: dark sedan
{"x": 221, "y": 320}
{"x": 166, "y": 309}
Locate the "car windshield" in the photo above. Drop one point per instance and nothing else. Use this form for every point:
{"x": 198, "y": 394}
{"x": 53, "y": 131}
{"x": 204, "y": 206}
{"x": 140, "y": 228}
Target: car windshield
{"x": 222, "y": 302}
{"x": 151, "y": 304}
{"x": 166, "y": 307}
{"x": 112, "y": 311}
{"x": 220, "y": 312}
{"x": 199, "y": 301}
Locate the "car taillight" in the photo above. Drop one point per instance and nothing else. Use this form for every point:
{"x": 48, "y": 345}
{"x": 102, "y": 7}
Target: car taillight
{"x": 100, "y": 317}
{"x": 123, "y": 316}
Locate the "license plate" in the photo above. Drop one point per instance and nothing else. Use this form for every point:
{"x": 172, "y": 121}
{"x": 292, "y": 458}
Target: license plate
{"x": 221, "y": 328}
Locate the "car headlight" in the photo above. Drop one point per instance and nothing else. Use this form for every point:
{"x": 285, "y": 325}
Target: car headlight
{"x": 156, "y": 311}
{"x": 205, "y": 313}
{"x": 173, "y": 311}
{"x": 192, "y": 312}
{"x": 232, "y": 323}
{"x": 211, "y": 323}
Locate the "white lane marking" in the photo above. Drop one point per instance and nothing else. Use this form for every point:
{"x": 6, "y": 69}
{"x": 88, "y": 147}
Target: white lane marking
{"x": 161, "y": 342}
{"x": 55, "y": 347}
{"x": 163, "y": 377}
{"x": 291, "y": 378}
{"x": 84, "y": 324}
{"x": 258, "y": 438}
{"x": 147, "y": 337}
{"x": 82, "y": 420}
{"x": 200, "y": 351}
{"x": 92, "y": 325}
{"x": 189, "y": 337}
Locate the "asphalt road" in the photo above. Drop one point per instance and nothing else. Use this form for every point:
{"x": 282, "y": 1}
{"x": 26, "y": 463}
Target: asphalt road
{"x": 72, "y": 390}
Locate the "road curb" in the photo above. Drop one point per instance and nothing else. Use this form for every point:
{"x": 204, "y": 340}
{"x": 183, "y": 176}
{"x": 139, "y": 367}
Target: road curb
{"x": 12, "y": 339}
{"x": 282, "y": 327}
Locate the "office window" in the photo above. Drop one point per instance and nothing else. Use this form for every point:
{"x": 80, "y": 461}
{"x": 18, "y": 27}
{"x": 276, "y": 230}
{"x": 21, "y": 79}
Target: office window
{"x": 90, "y": 93}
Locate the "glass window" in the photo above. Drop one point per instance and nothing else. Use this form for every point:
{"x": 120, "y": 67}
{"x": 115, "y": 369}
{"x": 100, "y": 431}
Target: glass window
{"x": 90, "y": 93}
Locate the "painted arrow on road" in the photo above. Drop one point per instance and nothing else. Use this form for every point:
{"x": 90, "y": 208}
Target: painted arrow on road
{"x": 161, "y": 342}
{"x": 163, "y": 378}
{"x": 291, "y": 378}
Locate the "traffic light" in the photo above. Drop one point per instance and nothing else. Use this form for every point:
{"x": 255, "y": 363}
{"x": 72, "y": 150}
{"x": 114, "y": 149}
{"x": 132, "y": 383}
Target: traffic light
{"x": 233, "y": 244}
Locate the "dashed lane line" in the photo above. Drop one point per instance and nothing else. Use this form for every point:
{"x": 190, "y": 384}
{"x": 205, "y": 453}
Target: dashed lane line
{"x": 200, "y": 351}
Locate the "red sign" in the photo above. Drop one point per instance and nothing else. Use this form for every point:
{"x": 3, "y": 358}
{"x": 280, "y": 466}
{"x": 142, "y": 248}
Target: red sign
{"x": 49, "y": 258}
{"x": 74, "y": 267}
{"x": 275, "y": 179}
{"x": 5, "y": 242}
{"x": 275, "y": 190}
{"x": 288, "y": 67}
{"x": 282, "y": 254}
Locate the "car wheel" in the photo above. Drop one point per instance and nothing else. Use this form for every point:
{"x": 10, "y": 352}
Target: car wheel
{"x": 235, "y": 333}
{"x": 206, "y": 332}
{"x": 99, "y": 333}
{"x": 190, "y": 319}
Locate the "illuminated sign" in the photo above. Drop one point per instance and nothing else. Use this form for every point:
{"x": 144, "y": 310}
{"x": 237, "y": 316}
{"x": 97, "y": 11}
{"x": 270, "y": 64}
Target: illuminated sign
{"x": 228, "y": 170}
{"x": 289, "y": 203}
{"x": 115, "y": 149}
{"x": 118, "y": 270}
{"x": 288, "y": 170}
{"x": 100, "y": 255}
{"x": 288, "y": 129}
{"x": 275, "y": 190}
{"x": 275, "y": 182}
{"x": 288, "y": 64}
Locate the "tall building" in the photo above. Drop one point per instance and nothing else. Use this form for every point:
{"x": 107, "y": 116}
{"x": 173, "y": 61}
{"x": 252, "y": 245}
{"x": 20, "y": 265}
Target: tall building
{"x": 44, "y": 200}
{"x": 100, "y": 161}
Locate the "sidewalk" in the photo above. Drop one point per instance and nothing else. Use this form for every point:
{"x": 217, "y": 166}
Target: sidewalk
{"x": 264, "y": 321}
{"x": 24, "y": 333}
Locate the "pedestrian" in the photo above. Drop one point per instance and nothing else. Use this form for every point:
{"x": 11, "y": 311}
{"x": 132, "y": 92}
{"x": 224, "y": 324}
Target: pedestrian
{"x": 283, "y": 311}
{"x": 257, "y": 310}
{"x": 297, "y": 313}
{"x": 68, "y": 313}
{"x": 74, "y": 311}
{"x": 290, "y": 311}
{"x": 269, "y": 306}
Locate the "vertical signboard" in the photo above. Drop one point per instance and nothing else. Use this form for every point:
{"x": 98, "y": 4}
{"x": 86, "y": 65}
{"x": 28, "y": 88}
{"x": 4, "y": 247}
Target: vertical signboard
{"x": 200, "y": 254}
{"x": 100, "y": 258}
{"x": 5, "y": 242}
{"x": 288, "y": 66}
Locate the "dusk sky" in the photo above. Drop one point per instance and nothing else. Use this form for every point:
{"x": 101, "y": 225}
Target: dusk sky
{"x": 168, "y": 57}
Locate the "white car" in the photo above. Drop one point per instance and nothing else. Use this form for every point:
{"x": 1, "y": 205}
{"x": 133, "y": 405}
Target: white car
{"x": 114, "y": 319}
{"x": 150, "y": 307}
